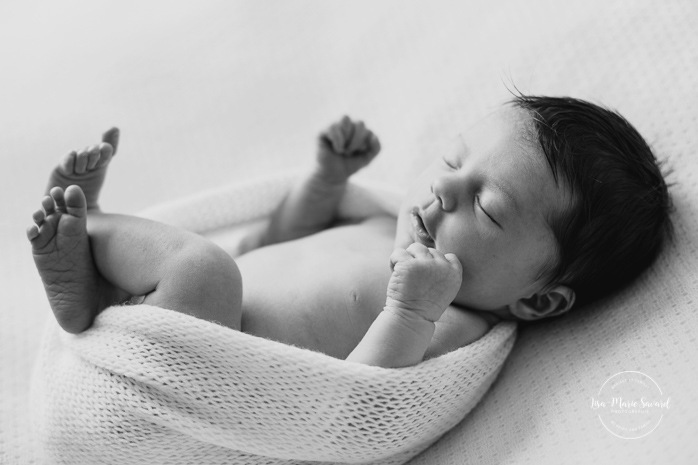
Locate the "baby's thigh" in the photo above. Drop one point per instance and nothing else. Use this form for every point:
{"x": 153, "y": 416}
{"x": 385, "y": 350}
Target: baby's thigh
{"x": 202, "y": 281}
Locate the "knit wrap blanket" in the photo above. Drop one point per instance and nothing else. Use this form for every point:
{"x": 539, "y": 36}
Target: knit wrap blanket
{"x": 149, "y": 385}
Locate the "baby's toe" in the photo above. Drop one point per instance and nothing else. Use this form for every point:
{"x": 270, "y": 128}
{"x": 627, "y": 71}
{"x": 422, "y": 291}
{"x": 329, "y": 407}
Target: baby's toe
{"x": 42, "y": 232}
{"x": 39, "y": 217}
{"x": 106, "y": 151}
{"x": 75, "y": 201}
{"x": 93, "y": 156}
{"x": 58, "y": 197}
{"x": 32, "y": 232}
{"x": 48, "y": 205}
{"x": 81, "y": 161}
{"x": 67, "y": 165}
{"x": 111, "y": 137}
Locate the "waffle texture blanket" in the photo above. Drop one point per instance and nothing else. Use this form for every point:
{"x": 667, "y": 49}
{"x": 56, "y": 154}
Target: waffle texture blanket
{"x": 148, "y": 385}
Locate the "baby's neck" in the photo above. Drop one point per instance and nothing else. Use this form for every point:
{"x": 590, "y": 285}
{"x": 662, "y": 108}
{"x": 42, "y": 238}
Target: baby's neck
{"x": 490, "y": 317}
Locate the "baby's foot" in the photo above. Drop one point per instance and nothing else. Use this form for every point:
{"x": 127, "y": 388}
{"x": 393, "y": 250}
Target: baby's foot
{"x": 87, "y": 168}
{"x": 62, "y": 255}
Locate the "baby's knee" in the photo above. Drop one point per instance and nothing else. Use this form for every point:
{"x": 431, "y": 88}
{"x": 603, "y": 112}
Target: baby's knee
{"x": 204, "y": 281}
{"x": 209, "y": 267}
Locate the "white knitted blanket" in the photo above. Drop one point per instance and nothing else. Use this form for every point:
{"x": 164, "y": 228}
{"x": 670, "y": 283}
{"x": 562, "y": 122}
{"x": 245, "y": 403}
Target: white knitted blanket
{"x": 148, "y": 385}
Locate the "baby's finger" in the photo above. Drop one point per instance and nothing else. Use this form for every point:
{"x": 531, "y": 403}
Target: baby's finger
{"x": 398, "y": 255}
{"x": 358, "y": 139}
{"x": 435, "y": 253}
{"x": 419, "y": 250}
{"x": 324, "y": 142}
{"x": 373, "y": 146}
{"x": 347, "y": 127}
{"x": 335, "y": 136}
{"x": 453, "y": 260}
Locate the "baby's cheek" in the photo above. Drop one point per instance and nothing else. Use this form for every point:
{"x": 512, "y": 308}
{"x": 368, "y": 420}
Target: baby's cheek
{"x": 476, "y": 287}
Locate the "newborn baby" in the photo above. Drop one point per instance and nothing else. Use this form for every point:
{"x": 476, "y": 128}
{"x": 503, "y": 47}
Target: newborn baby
{"x": 505, "y": 225}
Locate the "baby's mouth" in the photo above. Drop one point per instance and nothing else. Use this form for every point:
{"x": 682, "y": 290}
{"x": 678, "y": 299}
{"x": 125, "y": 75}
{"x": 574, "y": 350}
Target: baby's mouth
{"x": 420, "y": 230}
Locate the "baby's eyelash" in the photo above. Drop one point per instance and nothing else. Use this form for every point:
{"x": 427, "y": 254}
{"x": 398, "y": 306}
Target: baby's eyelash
{"x": 477, "y": 200}
{"x": 449, "y": 164}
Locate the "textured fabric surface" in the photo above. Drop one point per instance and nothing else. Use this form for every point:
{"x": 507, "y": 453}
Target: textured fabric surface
{"x": 218, "y": 91}
{"x": 147, "y": 385}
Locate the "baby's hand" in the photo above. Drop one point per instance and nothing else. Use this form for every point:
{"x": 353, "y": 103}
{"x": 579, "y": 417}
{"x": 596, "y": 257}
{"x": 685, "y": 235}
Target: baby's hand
{"x": 424, "y": 281}
{"x": 345, "y": 148}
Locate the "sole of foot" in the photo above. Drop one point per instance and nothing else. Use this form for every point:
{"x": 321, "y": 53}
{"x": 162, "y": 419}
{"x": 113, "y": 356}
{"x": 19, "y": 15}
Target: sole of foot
{"x": 61, "y": 250}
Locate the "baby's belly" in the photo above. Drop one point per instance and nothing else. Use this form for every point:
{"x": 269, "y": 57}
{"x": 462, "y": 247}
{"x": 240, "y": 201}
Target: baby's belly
{"x": 321, "y": 292}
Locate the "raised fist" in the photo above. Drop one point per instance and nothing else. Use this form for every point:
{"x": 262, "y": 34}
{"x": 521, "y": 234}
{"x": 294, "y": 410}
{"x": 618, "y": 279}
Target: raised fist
{"x": 345, "y": 148}
{"x": 424, "y": 281}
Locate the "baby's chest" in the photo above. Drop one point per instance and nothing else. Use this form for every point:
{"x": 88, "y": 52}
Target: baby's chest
{"x": 321, "y": 292}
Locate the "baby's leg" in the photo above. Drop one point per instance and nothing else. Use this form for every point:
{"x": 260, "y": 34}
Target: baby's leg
{"x": 172, "y": 268}
{"x": 127, "y": 256}
{"x": 122, "y": 256}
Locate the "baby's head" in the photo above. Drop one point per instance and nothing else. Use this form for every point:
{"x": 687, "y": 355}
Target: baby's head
{"x": 547, "y": 203}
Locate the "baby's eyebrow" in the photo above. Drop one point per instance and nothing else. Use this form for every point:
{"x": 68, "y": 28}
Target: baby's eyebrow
{"x": 466, "y": 149}
{"x": 510, "y": 198}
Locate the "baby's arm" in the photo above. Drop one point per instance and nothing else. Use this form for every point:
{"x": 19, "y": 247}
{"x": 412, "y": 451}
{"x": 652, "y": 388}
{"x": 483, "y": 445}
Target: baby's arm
{"x": 311, "y": 206}
{"x": 423, "y": 284}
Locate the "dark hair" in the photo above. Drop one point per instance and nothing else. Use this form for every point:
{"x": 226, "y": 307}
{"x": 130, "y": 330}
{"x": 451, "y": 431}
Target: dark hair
{"x": 619, "y": 217}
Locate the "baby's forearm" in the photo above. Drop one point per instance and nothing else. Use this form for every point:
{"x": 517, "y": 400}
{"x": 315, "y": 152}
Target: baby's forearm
{"x": 310, "y": 206}
{"x": 397, "y": 338}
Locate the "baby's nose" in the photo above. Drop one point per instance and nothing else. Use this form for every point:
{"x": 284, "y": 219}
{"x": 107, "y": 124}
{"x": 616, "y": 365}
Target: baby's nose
{"x": 441, "y": 190}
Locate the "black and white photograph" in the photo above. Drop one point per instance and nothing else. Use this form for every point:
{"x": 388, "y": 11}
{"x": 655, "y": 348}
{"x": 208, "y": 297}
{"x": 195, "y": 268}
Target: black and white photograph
{"x": 288, "y": 232}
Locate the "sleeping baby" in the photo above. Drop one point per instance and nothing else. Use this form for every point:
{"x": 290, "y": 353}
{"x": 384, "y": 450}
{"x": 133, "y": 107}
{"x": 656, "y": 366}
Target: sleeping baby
{"x": 545, "y": 204}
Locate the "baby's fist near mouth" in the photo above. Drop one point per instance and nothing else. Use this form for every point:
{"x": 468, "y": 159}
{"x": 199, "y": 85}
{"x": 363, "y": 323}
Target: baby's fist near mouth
{"x": 345, "y": 148}
{"x": 424, "y": 281}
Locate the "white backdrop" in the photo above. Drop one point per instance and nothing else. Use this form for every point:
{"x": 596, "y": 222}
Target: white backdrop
{"x": 211, "y": 92}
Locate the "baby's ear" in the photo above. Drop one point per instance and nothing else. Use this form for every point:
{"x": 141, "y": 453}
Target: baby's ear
{"x": 546, "y": 303}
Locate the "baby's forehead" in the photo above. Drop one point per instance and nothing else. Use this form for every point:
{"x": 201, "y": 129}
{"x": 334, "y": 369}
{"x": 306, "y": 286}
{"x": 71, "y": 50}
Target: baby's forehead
{"x": 508, "y": 132}
{"x": 519, "y": 122}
